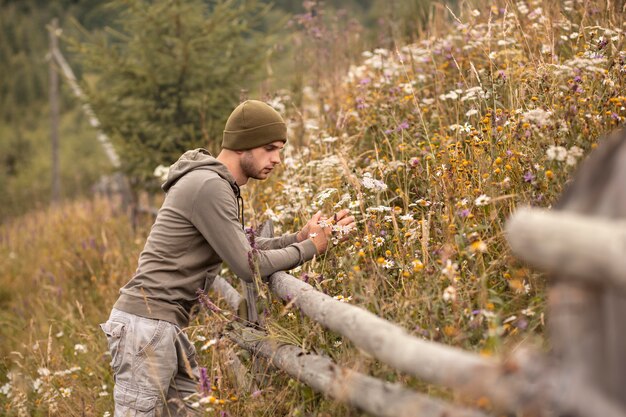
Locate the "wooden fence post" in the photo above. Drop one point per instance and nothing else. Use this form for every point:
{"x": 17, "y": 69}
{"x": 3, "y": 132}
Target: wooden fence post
{"x": 236, "y": 302}
{"x": 53, "y": 29}
{"x": 251, "y": 293}
{"x": 57, "y": 57}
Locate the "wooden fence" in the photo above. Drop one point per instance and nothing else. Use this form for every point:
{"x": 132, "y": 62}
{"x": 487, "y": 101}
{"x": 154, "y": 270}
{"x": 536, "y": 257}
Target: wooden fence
{"x": 580, "y": 244}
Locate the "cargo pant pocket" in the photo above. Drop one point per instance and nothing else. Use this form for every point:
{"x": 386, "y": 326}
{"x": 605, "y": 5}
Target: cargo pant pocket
{"x": 115, "y": 331}
{"x": 130, "y": 402}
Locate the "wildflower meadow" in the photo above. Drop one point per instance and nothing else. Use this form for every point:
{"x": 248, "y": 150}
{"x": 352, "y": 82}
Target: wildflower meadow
{"x": 430, "y": 144}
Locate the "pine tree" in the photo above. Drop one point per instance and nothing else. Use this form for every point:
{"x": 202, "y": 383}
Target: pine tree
{"x": 166, "y": 79}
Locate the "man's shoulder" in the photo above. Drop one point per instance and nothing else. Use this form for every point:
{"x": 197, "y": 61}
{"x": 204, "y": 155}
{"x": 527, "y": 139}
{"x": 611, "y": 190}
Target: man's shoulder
{"x": 203, "y": 177}
{"x": 197, "y": 183}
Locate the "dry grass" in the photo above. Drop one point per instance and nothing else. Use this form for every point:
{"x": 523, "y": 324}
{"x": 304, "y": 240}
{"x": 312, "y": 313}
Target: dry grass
{"x": 431, "y": 146}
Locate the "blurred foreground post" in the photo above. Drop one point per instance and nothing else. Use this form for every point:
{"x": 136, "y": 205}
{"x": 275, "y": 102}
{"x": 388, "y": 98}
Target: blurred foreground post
{"x": 582, "y": 244}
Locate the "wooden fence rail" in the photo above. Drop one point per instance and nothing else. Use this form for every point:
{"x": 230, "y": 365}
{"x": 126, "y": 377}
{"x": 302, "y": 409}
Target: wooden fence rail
{"x": 510, "y": 385}
{"x": 363, "y": 392}
{"x": 525, "y": 383}
{"x": 366, "y": 393}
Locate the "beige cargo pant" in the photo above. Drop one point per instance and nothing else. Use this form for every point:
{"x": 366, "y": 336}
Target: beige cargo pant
{"x": 154, "y": 366}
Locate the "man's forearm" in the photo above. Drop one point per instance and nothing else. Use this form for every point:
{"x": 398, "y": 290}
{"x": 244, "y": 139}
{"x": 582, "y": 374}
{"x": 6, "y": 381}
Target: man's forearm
{"x": 266, "y": 243}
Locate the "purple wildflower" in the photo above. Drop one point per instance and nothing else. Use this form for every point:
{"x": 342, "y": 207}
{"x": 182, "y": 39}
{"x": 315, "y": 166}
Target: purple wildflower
{"x": 402, "y": 126}
{"x": 206, "y": 303}
{"x": 251, "y": 260}
{"x": 464, "y": 213}
{"x": 537, "y": 200}
{"x": 422, "y": 332}
{"x": 521, "y": 323}
{"x": 252, "y": 253}
{"x": 205, "y": 384}
{"x": 529, "y": 177}
{"x": 250, "y": 233}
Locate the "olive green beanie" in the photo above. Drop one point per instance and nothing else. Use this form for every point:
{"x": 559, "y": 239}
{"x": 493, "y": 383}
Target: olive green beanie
{"x": 253, "y": 124}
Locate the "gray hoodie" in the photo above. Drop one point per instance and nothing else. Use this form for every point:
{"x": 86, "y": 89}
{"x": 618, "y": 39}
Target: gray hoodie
{"x": 195, "y": 230}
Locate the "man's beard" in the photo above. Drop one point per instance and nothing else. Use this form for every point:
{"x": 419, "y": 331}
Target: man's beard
{"x": 248, "y": 168}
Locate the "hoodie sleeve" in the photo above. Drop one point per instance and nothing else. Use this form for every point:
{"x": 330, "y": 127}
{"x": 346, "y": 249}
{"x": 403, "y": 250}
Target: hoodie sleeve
{"x": 214, "y": 214}
{"x": 276, "y": 242}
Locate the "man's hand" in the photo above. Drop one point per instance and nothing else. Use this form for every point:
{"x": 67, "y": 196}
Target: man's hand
{"x": 320, "y": 229}
{"x": 343, "y": 224}
{"x": 319, "y": 233}
{"x": 346, "y": 222}
{"x": 304, "y": 233}
{"x": 339, "y": 219}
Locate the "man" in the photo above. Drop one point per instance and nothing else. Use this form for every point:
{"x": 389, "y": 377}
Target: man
{"x": 196, "y": 229}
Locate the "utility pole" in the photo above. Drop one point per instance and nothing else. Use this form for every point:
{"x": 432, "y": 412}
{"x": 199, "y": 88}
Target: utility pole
{"x": 54, "y": 111}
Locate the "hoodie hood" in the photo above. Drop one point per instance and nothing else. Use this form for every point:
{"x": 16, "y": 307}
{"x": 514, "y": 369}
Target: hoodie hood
{"x": 198, "y": 159}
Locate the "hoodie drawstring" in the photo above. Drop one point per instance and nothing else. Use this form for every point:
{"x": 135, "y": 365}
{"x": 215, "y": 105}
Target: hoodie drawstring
{"x": 239, "y": 206}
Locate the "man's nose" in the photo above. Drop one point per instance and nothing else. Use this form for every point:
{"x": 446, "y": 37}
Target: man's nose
{"x": 276, "y": 159}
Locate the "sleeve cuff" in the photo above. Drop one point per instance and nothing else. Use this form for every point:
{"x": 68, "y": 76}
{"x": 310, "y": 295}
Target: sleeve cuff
{"x": 290, "y": 238}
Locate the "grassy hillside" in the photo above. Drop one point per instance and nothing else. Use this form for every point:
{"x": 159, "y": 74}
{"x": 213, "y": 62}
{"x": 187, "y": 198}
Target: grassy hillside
{"x": 431, "y": 145}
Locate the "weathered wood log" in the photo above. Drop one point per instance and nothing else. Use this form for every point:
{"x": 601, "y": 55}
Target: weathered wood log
{"x": 236, "y": 302}
{"x": 587, "y": 249}
{"x": 376, "y": 336}
{"x": 361, "y": 391}
{"x": 516, "y": 385}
